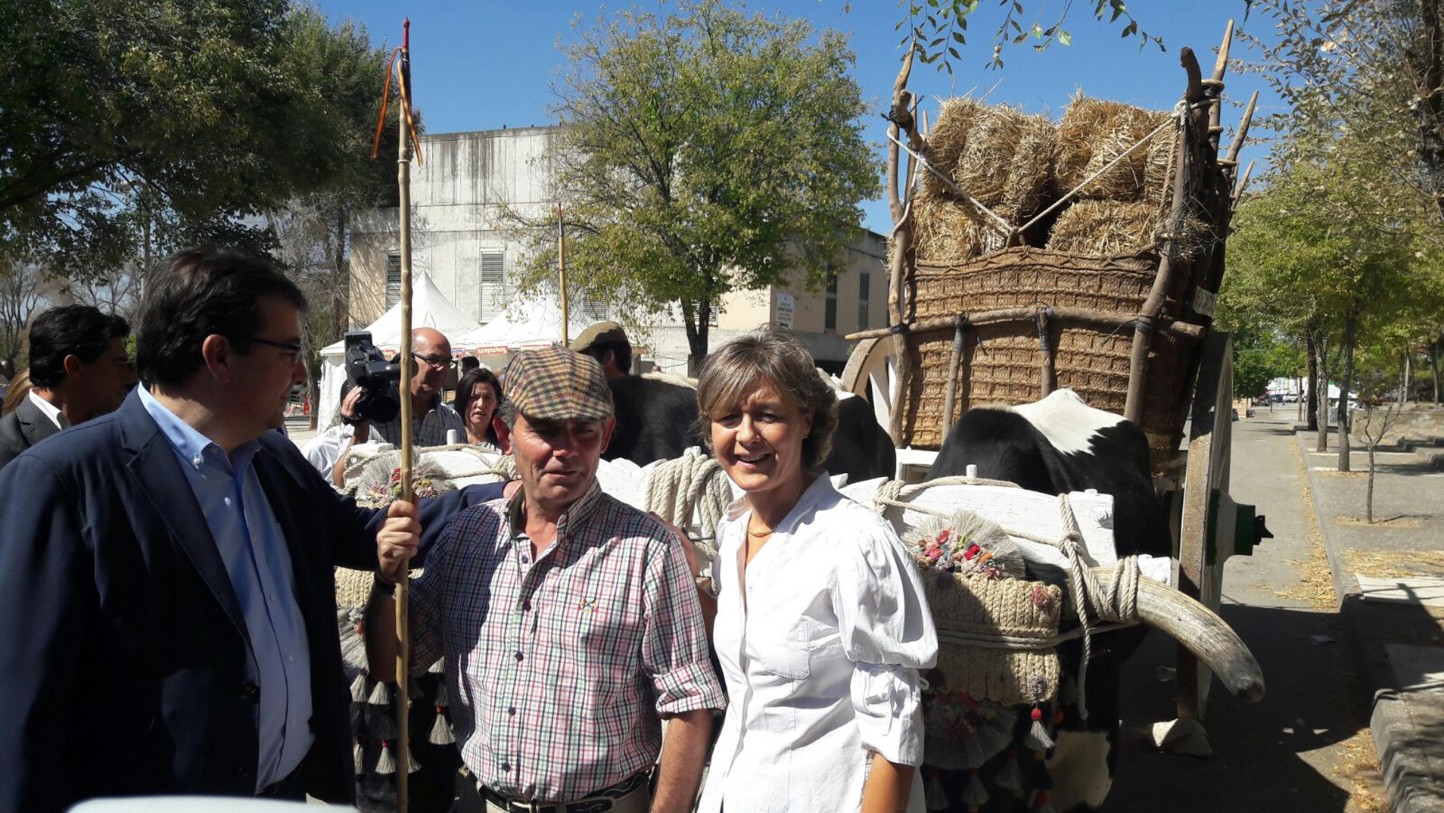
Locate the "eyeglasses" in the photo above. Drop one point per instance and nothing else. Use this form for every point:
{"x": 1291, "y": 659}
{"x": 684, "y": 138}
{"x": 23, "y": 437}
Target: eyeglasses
{"x": 435, "y": 362}
{"x": 287, "y": 346}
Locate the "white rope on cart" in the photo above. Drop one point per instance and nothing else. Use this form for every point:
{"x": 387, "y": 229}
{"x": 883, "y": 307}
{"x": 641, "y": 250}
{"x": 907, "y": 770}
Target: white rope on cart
{"x": 1116, "y": 604}
{"x": 691, "y": 484}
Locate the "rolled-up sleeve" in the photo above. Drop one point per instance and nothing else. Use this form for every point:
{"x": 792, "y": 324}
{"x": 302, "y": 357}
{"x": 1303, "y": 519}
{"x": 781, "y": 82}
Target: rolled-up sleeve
{"x": 674, "y": 644}
{"x": 887, "y": 632}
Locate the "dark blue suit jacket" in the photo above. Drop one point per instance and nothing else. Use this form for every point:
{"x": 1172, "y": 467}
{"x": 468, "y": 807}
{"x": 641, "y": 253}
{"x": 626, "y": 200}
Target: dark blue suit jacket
{"x": 123, "y": 649}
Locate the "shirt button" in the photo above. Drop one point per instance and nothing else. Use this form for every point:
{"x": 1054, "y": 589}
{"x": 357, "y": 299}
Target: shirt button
{"x": 291, "y": 658}
{"x": 525, "y": 558}
{"x": 518, "y": 656}
{"x": 273, "y": 598}
{"x": 506, "y": 766}
{"x": 526, "y": 605}
{"x": 511, "y": 711}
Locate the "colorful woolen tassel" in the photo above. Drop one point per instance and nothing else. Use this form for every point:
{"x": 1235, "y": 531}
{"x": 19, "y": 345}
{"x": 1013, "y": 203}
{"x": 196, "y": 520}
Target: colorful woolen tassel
{"x": 358, "y": 687}
{"x": 1038, "y": 739}
{"x": 933, "y": 792}
{"x": 386, "y": 764}
{"x": 359, "y": 753}
{"x": 974, "y": 794}
{"x": 1010, "y": 776}
{"x": 442, "y": 697}
{"x": 441, "y": 730}
{"x": 379, "y": 695}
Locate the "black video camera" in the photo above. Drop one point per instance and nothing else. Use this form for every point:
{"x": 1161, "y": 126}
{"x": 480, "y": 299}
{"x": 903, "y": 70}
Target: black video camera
{"x": 368, "y": 369}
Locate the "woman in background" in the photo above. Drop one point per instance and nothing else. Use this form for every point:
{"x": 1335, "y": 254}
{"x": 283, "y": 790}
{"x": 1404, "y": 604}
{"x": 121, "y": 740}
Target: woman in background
{"x": 18, "y": 388}
{"x": 478, "y": 394}
{"x": 821, "y": 624}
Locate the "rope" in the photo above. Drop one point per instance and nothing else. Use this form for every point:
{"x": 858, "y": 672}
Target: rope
{"x": 691, "y": 484}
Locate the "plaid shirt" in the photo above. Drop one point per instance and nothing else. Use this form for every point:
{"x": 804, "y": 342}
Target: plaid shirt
{"x": 429, "y": 430}
{"x": 558, "y": 669}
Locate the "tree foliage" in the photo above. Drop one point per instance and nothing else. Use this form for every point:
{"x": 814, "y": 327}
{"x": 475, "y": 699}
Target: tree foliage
{"x": 218, "y": 109}
{"x": 939, "y": 28}
{"x": 699, "y": 153}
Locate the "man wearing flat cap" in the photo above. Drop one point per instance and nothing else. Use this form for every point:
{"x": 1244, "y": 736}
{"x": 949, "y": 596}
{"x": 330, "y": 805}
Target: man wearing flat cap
{"x": 607, "y": 343}
{"x": 568, "y": 621}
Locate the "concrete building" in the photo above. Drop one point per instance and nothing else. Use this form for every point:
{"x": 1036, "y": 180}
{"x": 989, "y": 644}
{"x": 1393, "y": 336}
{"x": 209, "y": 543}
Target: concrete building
{"x": 460, "y": 242}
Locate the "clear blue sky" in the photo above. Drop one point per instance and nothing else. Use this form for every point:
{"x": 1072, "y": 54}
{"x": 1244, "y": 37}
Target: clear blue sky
{"x": 486, "y": 64}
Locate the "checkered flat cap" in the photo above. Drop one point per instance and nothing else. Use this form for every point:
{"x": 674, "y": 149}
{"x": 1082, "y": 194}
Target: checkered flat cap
{"x": 557, "y": 384}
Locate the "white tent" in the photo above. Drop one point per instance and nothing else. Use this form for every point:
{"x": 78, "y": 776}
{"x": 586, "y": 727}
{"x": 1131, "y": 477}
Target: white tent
{"x": 535, "y": 323}
{"x": 429, "y": 308}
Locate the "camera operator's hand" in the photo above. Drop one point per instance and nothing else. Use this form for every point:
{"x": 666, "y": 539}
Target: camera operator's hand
{"x": 348, "y": 414}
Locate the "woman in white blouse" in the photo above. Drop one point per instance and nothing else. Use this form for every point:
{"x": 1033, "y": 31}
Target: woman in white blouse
{"x": 821, "y": 624}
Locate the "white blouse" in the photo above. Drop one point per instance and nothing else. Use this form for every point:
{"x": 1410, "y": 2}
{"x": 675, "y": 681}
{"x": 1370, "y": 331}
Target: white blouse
{"x": 820, "y": 658}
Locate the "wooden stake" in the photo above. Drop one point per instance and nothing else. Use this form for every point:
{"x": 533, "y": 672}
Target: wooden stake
{"x": 403, "y": 582}
{"x": 562, "y": 270}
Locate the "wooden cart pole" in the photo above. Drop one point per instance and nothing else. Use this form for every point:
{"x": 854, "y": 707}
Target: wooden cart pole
{"x": 900, "y": 118}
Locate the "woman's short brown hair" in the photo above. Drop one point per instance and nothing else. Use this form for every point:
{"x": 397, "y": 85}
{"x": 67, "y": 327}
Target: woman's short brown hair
{"x": 775, "y": 357}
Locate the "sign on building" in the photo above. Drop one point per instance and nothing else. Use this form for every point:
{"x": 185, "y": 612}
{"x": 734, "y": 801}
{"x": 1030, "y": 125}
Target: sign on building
{"x": 785, "y": 309}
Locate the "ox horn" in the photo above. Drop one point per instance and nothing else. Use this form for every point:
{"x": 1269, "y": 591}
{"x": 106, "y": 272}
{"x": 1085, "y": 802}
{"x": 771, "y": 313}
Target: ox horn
{"x": 1200, "y": 630}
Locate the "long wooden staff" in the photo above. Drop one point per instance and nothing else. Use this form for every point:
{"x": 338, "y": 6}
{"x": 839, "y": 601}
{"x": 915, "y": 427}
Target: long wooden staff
{"x": 406, "y": 139}
{"x": 562, "y": 270}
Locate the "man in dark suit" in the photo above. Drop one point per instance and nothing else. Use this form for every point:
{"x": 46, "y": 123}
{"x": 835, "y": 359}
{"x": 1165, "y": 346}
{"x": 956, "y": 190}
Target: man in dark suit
{"x": 79, "y": 368}
{"x": 166, "y": 570}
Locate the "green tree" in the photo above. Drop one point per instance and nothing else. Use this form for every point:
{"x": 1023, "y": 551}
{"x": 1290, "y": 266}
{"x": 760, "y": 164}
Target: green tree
{"x": 699, "y": 153}
{"x": 205, "y": 104}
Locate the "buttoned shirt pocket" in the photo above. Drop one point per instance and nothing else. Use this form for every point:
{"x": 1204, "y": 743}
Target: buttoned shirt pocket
{"x": 788, "y": 656}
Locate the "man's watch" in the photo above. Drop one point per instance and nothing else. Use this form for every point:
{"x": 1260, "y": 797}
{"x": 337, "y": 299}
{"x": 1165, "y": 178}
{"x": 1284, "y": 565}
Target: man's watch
{"x": 380, "y": 585}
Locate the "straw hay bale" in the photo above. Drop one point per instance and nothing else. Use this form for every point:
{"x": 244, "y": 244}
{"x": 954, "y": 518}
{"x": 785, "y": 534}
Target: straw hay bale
{"x": 1001, "y": 157}
{"x": 946, "y": 141}
{"x": 946, "y": 230}
{"x": 1093, "y": 133}
{"x": 1104, "y": 228}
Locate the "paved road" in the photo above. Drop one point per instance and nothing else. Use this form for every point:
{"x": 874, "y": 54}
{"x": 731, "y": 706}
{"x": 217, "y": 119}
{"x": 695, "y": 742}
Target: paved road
{"x": 1305, "y": 746}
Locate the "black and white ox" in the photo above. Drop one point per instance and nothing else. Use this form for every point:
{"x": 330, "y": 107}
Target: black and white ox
{"x": 1060, "y": 445}
{"x": 657, "y": 420}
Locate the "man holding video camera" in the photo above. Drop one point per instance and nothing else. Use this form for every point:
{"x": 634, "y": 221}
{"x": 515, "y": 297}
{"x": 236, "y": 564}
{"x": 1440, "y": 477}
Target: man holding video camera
{"x": 431, "y": 416}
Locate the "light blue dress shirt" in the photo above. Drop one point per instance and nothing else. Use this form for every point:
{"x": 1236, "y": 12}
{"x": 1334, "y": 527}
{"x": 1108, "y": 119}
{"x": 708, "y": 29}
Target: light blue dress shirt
{"x": 256, "y": 557}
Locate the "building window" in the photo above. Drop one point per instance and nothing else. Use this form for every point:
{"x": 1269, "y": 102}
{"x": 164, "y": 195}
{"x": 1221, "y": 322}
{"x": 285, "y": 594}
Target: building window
{"x": 829, "y": 313}
{"x": 864, "y": 283}
{"x": 393, "y": 278}
{"x": 491, "y": 300}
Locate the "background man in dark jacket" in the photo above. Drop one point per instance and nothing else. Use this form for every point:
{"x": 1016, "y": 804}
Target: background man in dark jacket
{"x": 79, "y": 368}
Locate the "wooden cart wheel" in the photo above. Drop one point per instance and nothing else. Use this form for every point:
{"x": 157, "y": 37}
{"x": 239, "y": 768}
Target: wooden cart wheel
{"x": 871, "y": 372}
{"x": 1200, "y": 569}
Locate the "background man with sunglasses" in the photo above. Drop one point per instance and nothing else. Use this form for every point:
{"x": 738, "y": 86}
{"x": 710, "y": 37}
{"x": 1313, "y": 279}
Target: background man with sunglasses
{"x": 431, "y": 417}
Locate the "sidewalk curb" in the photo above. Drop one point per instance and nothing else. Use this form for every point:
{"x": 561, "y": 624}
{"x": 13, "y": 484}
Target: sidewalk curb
{"x": 1408, "y": 775}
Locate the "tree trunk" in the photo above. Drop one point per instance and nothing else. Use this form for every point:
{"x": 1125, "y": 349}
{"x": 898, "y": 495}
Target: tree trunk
{"x": 1351, "y": 325}
{"x": 1369, "y": 490}
{"x": 1406, "y": 373}
{"x": 1320, "y": 390}
{"x": 696, "y": 315}
{"x": 1434, "y": 366}
{"x": 1429, "y": 106}
{"x": 1309, "y": 404}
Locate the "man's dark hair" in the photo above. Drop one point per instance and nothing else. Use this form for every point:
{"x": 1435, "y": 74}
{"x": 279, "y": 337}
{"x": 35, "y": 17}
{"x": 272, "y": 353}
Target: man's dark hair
{"x": 469, "y": 363}
{"x": 69, "y": 330}
{"x": 621, "y": 354}
{"x": 198, "y": 292}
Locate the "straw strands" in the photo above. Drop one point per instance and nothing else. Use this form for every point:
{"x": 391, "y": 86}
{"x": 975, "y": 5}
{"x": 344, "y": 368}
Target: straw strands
{"x": 1104, "y": 227}
{"x": 1094, "y": 132}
